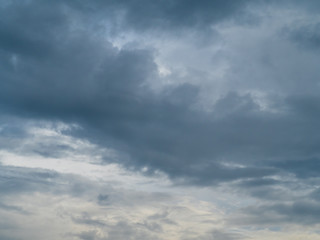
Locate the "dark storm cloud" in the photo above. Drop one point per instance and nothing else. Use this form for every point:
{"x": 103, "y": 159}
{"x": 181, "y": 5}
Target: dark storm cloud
{"x": 167, "y": 14}
{"x": 257, "y": 183}
{"x": 56, "y": 70}
{"x": 21, "y": 32}
{"x": 306, "y": 36}
{"x": 269, "y": 190}
{"x": 303, "y": 168}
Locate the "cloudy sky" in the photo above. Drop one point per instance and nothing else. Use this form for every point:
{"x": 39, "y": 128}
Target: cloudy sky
{"x": 159, "y": 120}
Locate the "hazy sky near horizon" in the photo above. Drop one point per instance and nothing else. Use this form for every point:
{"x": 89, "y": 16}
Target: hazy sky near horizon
{"x": 161, "y": 120}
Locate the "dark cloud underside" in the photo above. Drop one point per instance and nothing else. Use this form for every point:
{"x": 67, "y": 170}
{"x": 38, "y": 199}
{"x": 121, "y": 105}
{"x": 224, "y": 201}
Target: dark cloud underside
{"x": 55, "y": 70}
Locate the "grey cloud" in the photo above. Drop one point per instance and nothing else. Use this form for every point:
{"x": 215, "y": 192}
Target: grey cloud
{"x": 15, "y": 180}
{"x": 58, "y": 65}
{"x": 6, "y": 237}
{"x": 315, "y": 195}
{"x": 300, "y": 212}
{"x": 123, "y": 230}
{"x": 162, "y": 217}
{"x": 176, "y": 14}
{"x": 89, "y": 235}
{"x": 11, "y": 132}
{"x": 13, "y": 208}
{"x": 78, "y": 208}
{"x": 260, "y": 182}
{"x": 266, "y": 189}
{"x": 311, "y": 6}
{"x": 21, "y": 32}
{"x": 219, "y": 235}
{"x": 120, "y": 230}
{"x": 53, "y": 151}
{"x": 306, "y": 36}
{"x": 19, "y": 183}
{"x": 86, "y": 219}
{"x": 152, "y": 226}
{"x": 75, "y": 76}
{"x": 302, "y": 168}
{"x": 103, "y": 199}
{"x": 100, "y": 88}
{"x": 280, "y": 192}
{"x": 306, "y": 107}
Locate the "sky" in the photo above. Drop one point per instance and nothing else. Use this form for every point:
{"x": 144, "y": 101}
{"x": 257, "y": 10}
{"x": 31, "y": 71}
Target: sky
{"x": 159, "y": 120}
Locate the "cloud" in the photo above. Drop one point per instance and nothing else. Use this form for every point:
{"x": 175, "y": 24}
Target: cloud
{"x": 82, "y": 78}
{"x": 207, "y": 93}
{"x": 90, "y": 235}
{"x": 17, "y": 180}
{"x": 13, "y": 208}
{"x": 85, "y": 219}
{"x": 219, "y": 235}
{"x": 305, "y": 36}
{"x": 280, "y": 214}
{"x": 144, "y": 15}
{"x": 55, "y": 206}
{"x": 86, "y": 81}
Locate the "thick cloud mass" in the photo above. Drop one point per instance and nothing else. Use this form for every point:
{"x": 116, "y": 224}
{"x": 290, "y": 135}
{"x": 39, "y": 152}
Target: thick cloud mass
{"x": 144, "y": 15}
{"x": 57, "y": 67}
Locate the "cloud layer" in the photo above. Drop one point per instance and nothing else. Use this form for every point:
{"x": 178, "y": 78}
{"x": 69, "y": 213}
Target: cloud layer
{"x": 207, "y": 94}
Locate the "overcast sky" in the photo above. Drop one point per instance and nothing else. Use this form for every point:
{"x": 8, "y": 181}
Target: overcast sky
{"x": 159, "y": 120}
